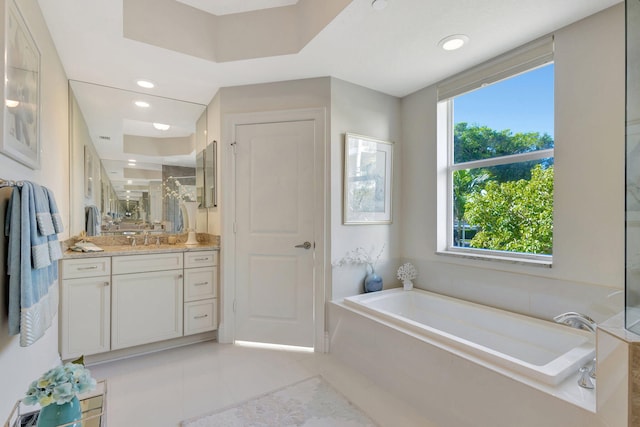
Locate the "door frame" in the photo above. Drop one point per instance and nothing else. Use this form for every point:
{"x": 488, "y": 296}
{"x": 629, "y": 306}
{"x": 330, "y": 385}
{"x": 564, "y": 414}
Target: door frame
{"x": 226, "y": 329}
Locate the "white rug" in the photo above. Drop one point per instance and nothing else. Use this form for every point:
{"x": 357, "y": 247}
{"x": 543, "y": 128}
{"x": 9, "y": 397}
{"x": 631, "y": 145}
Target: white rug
{"x": 309, "y": 403}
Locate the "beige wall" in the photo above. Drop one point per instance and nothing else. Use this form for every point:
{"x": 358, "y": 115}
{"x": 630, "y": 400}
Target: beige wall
{"x": 356, "y": 109}
{"x": 19, "y": 366}
{"x": 588, "y": 259}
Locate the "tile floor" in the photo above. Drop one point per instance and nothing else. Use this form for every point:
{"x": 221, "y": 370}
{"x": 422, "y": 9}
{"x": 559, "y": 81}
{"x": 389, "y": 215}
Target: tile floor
{"x": 164, "y": 388}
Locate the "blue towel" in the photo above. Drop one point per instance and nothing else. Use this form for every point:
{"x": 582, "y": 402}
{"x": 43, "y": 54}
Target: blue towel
{"x": 55, "y": 214}
{"x": 33, "y": 291}
{"x": 43, "y": 212}
{"x": 92, "y": 221}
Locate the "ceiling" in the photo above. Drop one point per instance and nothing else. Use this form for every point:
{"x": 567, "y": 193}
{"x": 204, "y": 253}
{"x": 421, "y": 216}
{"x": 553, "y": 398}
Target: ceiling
{"x": 227, "y": 7}
{"x": 394, "y": 51}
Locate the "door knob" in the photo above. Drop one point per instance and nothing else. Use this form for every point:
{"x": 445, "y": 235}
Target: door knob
{"x": 305, "y": 245}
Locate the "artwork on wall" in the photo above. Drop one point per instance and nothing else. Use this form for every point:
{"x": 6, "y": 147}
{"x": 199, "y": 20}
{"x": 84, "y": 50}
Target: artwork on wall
{"x": 368, "y": 173}
{"x": 22, "y": 91}
{"x": 88, "y": 173}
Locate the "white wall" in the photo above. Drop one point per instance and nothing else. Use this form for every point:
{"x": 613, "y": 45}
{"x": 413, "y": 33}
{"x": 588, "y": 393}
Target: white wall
{"x": 356, "y": 109}
{"x": 588, "y": 258}
{"x": 214, "y": 134}
{"x": 18, "y": 365}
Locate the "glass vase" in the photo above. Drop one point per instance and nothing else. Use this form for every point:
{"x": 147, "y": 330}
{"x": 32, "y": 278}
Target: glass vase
{"x": 54, "y": 415}
{"x": 372, "y": 282}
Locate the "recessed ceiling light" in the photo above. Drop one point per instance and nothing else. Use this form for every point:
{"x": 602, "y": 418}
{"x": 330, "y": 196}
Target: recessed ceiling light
{"x": 11, "y": 103}
{"x": 379, "y": 4}
{"x": 131, "y": 164}
{"x": 453, "y": 42}
{"x": 145, "y": 84}
{"x": 161, "y": 126}
{"x": 129, "y": 182}
{"x": 132, "y": 160}
{"x": 142, "y": 104}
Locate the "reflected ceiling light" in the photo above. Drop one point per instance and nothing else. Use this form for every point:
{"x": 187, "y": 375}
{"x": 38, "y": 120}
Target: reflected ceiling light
{"x": 132, "y": 160}
{"x": 11, "y": 103}
{"x": 129, "y": 182}
{"x": 142, "y": 104}
{"x": 161, "y": 126}
{"x": 128, "y": 191}
{"x": 131, "y": 164}
{"x": 145, "y": 84}
{"x": 453, "y": 42}
{"x": 379, "y": 4}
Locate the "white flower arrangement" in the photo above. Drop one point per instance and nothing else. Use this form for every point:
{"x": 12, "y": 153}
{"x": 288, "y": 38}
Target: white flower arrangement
{"x": 60, "y": 385}
{"x": 173, "y": 188}
{"x": 359, "y": 256}
{"x": 406, "y": 273}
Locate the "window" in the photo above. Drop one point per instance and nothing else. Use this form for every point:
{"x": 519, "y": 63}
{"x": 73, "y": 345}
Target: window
{"x": 496, "y": 126}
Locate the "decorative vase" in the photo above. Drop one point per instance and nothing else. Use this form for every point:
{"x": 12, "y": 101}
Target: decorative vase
{"x": 190, "y": 208}
{"x": 54, "y": 415}
{"x": 407, "y": 285}
{"x": 372, "y": 282}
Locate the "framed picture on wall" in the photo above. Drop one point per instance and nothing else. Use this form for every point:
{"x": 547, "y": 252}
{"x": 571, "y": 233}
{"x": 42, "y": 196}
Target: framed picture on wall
{"x": 88, "y": 173}
{"x": 368, "y": 174}
{"x": 22, "y": 91}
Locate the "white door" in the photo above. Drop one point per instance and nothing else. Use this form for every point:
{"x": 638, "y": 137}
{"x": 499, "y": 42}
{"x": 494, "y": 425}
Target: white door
{"x": 275, "y": 197}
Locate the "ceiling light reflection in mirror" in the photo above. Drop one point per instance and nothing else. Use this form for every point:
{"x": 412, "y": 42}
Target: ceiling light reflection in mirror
{"x": 131, "y": 147}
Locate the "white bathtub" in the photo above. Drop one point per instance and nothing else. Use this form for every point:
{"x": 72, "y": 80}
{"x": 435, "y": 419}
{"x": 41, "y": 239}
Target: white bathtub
{"x": 507, "y": 342}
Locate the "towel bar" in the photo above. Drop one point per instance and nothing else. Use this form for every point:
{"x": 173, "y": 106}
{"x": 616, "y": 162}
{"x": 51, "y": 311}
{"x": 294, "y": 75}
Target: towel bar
{"x": 10, "y": 183}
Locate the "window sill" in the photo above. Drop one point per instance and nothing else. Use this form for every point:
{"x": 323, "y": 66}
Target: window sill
{"x": 546, "y": 263}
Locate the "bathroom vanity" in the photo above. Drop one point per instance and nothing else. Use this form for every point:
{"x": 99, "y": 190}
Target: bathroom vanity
{"x": 126, "y": 297}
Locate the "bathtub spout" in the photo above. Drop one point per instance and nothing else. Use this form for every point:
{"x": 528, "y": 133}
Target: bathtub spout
{"x": 576, "y": 320}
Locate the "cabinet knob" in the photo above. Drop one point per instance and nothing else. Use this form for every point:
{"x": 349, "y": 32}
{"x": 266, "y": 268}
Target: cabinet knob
{"x": 200, "y": 283}
{"x": 202, "y": 316}
{"x": 105, "y": 284}
{"x": 180, "y": 276}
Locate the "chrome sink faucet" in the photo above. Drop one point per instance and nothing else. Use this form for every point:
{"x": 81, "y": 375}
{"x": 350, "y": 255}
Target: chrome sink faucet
{"x": 146, "y": 238}
{"x": 576, "y": 320}
{"x": 133, "y": 240}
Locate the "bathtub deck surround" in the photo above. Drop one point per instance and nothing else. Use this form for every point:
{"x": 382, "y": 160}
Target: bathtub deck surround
{"x": 508, "y": 342}
{"x": 470, "y": 372}
{"x": 618, "y": 365}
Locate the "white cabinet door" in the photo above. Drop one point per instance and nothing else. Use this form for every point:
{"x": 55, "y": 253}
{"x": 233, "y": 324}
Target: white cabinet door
{"x": 200, "y": 316}
{"x": 84, "y": 318}
{"x": 200, "y": 283}
{"x": 146, "y": 307}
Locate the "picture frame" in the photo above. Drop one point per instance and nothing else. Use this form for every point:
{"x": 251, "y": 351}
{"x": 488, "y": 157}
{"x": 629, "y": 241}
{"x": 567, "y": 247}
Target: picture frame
{"x": 88, "y": 173}
{"x": 21, "y": 139}
{"x": 368, "y": 180}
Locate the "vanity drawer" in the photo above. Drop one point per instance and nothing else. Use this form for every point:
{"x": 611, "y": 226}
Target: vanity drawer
{"x": 143, "y": 263}
{"x": 200, "y": 259}
{"x": 199, "y": 283}
{"x": 85, "y": 267}
{"x": 200, "y": 316}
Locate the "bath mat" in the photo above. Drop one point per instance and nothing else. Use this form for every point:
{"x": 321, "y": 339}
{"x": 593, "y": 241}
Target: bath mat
{"x": 308, "y": 403}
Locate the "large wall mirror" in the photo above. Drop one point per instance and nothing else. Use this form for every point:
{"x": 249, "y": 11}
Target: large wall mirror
{"x": 632, "y": 284}
{"x": 135, "y": 158}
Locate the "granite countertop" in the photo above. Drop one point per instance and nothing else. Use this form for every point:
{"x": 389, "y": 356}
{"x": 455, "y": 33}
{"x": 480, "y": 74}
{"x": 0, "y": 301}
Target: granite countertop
{"x": 121, "y": 246}
{"x": 140, "y": 250}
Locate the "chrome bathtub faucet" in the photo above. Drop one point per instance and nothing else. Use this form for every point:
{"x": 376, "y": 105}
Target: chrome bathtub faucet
{"x": 581, "y": 321}
{"x": 576, "y": 320}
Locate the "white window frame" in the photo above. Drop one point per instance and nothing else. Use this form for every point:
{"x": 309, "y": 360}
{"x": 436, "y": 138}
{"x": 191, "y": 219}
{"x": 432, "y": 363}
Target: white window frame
{"x": 518, "y": 61}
